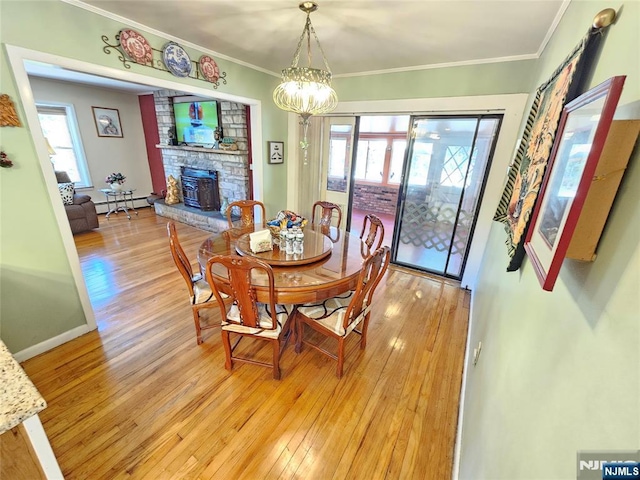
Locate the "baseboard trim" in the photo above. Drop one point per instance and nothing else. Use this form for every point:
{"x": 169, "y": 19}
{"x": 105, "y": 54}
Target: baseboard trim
{"x": 455, "y": 471}
{"x": 139, "y": 204}
{"x": 50, "y": 343}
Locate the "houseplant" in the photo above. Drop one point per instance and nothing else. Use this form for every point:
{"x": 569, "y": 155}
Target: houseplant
{"x": 115, "y": 180}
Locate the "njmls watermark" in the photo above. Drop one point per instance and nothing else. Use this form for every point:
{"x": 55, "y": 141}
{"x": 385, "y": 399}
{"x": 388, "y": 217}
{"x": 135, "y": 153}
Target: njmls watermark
{"x": 608, "y": 465}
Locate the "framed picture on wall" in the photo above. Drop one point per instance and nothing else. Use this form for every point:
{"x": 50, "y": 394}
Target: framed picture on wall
{"x": 276, "y": 152}
{"x": 107, "y": 122}
{"x": 583, "y": 130}
{"x": 530, "y": 163}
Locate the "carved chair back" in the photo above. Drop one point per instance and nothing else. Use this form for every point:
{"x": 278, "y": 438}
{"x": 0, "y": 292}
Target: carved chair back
{"x": 376, "y": 230}
{"x": 373, "y": 269}
{"x": 179, "y": 257}
{"x": 246, "y": 208}
{"x": 327, "y": 213}
{"x": 239, "y": 271}
{"x": 199, "y": 291}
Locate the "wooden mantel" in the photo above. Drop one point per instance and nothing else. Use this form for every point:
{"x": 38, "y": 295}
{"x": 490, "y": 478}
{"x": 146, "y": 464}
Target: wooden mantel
{"x": 201, "y": 149}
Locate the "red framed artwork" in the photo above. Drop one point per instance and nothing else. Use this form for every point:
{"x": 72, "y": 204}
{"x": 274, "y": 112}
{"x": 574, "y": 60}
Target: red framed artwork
{"x": 582, "y": 132}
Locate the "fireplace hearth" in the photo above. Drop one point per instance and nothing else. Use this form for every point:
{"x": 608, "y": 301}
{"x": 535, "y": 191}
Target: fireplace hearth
{"x": 200, "y": 188}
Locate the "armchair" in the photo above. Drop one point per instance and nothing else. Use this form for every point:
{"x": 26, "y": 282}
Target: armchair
{"x": 81, "y": 212}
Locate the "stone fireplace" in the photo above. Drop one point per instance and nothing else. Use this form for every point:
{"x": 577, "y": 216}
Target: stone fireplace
{"x": 231, "y": 167}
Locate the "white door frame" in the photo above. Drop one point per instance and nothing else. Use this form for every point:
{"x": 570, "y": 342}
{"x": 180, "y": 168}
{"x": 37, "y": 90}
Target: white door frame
{"x": 17, "y": 56}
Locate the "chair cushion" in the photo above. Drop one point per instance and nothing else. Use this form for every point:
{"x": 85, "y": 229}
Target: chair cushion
{"x": 283, "y": 312}
{"x": 66, "y": 192}
{"x": 331, "y": 312}
{"x": 201, "y": 291}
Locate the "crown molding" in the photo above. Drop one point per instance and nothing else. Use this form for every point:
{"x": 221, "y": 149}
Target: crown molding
{"x": 554, "y": 25}
{"x": 514, "y": 58}
{"x": 153, "y": 31}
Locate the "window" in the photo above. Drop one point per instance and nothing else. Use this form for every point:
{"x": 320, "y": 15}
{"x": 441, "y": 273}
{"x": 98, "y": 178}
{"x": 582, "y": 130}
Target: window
{"x": 419, "y": 172}
{"x": 381, "y": 149}
{"x": 337, "y": 156}
{"x": 59, "y": 126}
{"x": 338, "y": 160}
{"x": 455, "y": 166}
{"x": 370, "y": 161}
{"x": 397, "y": 160}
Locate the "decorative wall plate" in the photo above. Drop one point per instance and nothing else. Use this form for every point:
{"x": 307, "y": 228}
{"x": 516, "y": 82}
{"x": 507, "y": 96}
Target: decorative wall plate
{"x": 176, "y": 60}
{"x": 209, "y": 68}
{"x": 135, "y": 46}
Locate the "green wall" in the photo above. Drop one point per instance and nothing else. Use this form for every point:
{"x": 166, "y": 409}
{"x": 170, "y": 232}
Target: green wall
{"x": 559, "y": 371}
{"x": 461, "y": 81}
{"x": 38, "y": 298}
{"x": 541, "y": 389}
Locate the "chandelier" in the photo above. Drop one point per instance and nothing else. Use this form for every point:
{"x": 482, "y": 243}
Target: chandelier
{"x": 305, "y": 90}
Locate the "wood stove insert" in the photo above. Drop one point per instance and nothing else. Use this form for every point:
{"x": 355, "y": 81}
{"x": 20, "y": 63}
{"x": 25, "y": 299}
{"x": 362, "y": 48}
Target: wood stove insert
{"x": 200, "y": 188}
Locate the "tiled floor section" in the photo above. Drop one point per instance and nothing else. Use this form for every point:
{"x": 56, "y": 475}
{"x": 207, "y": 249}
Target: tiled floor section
{"x": 429, "y": 259}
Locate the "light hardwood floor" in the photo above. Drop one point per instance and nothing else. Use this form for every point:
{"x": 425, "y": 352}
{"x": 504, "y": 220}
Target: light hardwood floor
{"x": 139, "y": 399}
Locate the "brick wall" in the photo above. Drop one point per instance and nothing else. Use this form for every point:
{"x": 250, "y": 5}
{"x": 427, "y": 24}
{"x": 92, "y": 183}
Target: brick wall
{"x": 232, "y": 167}
{"x": 375, "y": 198}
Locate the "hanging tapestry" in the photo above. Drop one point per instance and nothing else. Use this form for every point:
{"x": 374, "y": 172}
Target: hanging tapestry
{"x": 527, "y": 169}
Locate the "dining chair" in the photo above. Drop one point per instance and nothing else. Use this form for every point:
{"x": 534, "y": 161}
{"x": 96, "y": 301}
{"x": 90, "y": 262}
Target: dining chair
{"x": 246, "y": 208}
{"x": 338, "y": 316}
{"x": 246, "y": 317}
{"x": 376, "y": 230}
{"x": 327, "y": 213}
{"x": 200, "y": 294}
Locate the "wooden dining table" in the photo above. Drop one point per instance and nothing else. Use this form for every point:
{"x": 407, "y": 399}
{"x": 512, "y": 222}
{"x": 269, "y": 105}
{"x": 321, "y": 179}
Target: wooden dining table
{"x": 329, "y": 265}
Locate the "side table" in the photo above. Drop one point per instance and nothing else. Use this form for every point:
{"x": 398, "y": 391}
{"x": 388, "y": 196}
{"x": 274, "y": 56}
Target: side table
{"x": 119, "y": 201}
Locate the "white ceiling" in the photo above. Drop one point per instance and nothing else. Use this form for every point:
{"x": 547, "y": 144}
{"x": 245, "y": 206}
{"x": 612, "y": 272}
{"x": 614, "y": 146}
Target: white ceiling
{"x": 356, "y": 36}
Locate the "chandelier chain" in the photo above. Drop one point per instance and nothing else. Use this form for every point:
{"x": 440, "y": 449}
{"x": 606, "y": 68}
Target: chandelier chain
{"x": 306, "y": 90}
{"x": 308, "y": 41}
{"x": 308, "y": 29}
{"x": 324, "y": 58}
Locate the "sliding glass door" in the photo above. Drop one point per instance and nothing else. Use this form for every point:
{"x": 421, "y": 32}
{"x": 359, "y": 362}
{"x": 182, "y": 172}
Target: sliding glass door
{"x": 445, "y": 169}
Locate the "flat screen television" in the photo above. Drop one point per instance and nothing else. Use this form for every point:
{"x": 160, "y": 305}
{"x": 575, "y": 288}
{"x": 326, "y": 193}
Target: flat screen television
{"x": 196, "y": 122}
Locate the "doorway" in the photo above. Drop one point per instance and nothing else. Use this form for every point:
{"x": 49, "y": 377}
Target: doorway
{"x": 377, "y": 174}
{"x": 362, "y": 166}
{"x": 19, "y": 58}
{"x": 337, "y": 157}
{"x": 423, "y": 176}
